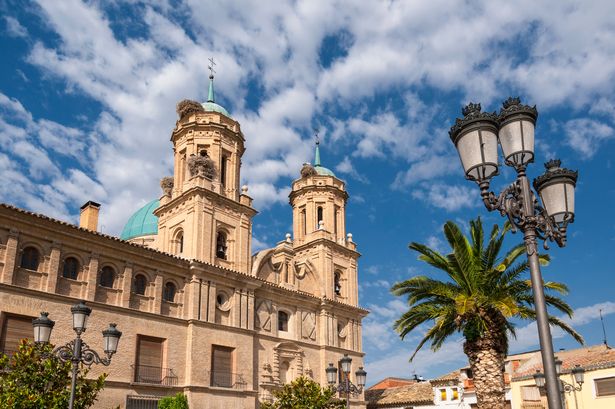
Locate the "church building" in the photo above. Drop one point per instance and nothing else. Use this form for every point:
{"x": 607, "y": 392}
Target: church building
{"x": 200, "y": 314}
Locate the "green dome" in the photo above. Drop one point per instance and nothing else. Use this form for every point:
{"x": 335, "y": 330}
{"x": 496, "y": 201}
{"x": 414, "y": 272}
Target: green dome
{"x": 213, "y": 107}
{"x": 142, "y": 223}
{"x": 322, "y": 171}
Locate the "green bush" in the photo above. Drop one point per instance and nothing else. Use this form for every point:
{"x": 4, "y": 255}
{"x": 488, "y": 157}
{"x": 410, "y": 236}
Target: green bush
{"x": 178, "y": 401}
{"x": 35, "y": 379}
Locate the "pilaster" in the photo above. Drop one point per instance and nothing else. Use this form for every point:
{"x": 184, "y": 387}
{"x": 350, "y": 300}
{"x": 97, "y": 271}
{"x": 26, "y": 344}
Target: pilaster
{"x": 158, "y": 287}
{"x": 54, "y": 267}
{"x": 90, "y": 289}
{"x": 212, "y": 302}
{"x": 126, "y": 285}
{"x": 10, "y": 257}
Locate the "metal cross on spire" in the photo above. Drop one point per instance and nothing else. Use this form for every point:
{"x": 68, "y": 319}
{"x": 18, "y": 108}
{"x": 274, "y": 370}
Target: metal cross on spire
{"x": 211, "y": 67}
{"x": 316, "y": 132}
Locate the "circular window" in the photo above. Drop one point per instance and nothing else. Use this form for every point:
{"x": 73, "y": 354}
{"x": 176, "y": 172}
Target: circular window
{"x": 223, "y": 301}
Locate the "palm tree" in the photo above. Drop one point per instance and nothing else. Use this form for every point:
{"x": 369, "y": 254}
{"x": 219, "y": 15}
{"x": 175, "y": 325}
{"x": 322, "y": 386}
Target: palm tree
{"x": 481, "y": 295}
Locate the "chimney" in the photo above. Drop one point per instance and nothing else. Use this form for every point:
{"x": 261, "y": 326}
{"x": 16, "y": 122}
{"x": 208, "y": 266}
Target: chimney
{"x": 89, "y": 215}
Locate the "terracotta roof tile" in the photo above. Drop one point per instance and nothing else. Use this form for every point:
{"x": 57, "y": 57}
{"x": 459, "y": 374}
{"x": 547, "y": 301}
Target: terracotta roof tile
{"x": 416, "y": 393}
{"x": 593, "y": 357}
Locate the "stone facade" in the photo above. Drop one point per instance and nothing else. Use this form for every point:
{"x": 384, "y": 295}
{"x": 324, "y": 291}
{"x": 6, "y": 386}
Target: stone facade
{"x": 194, "y": 287}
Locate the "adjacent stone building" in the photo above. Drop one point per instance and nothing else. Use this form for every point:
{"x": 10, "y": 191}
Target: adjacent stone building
{"x": 199, "y": 313}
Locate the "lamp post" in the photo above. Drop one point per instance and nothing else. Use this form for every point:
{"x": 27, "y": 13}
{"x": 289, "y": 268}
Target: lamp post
{"x": 578, "y": 377}
{"x": 476, "y": 137}
{"x": 346, "y": 387}
{"x": 77, "y": 351}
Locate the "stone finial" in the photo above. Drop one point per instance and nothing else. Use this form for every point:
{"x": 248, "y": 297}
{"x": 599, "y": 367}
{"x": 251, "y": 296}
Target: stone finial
{"x": 187, "y": 107}
{"x": 201, "y": 165}
{"x": 166, "y": 183}
{"x": 349, "y": 237}
{"x": 244, "y": 190}
{"x": 288, "y": 240}
{"x": 308, "y": 170}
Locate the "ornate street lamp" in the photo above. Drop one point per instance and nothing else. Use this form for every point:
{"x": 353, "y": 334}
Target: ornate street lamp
{"x": 77, "y": 351}
{"x": 346, "y": 387}
{"x": 578, "y": 377}
{"x": 476, "y": 137}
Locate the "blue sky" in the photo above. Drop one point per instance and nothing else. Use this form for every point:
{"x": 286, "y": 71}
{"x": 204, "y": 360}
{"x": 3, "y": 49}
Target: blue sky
{"x": 88, "y": 94}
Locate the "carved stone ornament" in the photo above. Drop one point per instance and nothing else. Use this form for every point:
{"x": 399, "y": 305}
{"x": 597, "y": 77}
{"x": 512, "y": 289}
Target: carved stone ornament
{"x": 308, "y": 325}
{"x": 166, "y": 183}
{"x": 263, "y": 316}
{"x": 308, "y": 170}
{"x": 201, "y": 165}
{"x": 187, "y": 107}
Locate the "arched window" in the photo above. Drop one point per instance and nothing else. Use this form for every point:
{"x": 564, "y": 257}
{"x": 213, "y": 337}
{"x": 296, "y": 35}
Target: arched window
{"x": 139, "y": 284}
{"x": 30, "y": 258}
{"x": 107, "y": 277}
{"x": 221, "y": 245}
{"x": 337, "y": 286}
{"x": 169, "y": 292}
{"x": 282, "y": 321}
{"x": 179, "y": 242}
{"x": 319, "y": 216}
{"x": 70, "y": 268}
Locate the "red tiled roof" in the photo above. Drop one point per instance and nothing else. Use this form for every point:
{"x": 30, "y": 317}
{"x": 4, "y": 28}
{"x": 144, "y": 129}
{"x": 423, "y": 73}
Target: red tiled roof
{"x": 413, "y": 394}
{"x": 589, "y": 358}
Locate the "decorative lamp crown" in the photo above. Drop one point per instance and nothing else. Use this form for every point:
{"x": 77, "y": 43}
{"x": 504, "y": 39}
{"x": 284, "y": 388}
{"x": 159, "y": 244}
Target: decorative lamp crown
{"x": 471, "y": 109}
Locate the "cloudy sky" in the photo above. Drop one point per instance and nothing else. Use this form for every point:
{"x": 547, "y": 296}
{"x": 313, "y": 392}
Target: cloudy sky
{"x": 87, "y": 103}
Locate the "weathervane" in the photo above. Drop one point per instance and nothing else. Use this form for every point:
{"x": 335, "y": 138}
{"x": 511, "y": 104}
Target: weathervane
{"x": 211, "y": 67}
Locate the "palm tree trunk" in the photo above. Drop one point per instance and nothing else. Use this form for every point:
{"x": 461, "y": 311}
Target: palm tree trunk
{"x": 486, "y": 355}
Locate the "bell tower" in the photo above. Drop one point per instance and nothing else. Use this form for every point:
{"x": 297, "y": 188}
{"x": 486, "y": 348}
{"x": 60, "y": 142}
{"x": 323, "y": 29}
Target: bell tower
{"x": 318, "y": 200}
{"x": 203, "y": 213}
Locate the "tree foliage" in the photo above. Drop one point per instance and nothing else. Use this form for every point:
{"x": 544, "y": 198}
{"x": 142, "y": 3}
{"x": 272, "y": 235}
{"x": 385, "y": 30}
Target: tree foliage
{"x": 178, "y": 401}
{"x": 482, "y": 289}
{"x": 304, "y": 393}
{"x": 482, "y": 294}
{"x": 34, "y": 379}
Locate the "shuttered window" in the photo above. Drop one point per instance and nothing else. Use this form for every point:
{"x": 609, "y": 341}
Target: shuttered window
{"x": 605, "y": 386}
{"x": 442, "y": 394}
{"x": 149, "y": 360}
{"x": 530, "y": 393}
{"x": 14, "y": 329}
{"x": 221, "y": 366}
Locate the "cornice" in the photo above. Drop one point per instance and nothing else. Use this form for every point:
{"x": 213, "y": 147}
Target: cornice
{"x": 193, "y": 191}
{"x": 330, "y": 243}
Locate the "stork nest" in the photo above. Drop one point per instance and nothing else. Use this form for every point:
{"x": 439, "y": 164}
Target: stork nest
{"x": 187, "y": 107}
{"x": 308, "y": 170}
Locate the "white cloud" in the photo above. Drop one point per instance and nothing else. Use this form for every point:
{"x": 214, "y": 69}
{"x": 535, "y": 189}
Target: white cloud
{"x": 14, "y": 28}
{"x": 448, "y": 197}
{"x": 586, "y": 135}
{"x": 346, "y": 167}
{"x": 527, "y": 336}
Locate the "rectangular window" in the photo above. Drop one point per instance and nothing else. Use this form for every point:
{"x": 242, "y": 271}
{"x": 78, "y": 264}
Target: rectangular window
{"x": 222, "y": 366}
{"x": 443, "y": 395}
{"x": 605, "y": 386}
{"x": 223, "y": 171}
{"x": 530, "y": 393}
{"x": 14, "y": 329}
{"x": 455, "y": 394}
{"x": 149, "y": 360}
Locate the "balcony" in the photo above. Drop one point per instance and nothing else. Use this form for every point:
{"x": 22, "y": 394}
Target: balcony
{"x": 154, "y": 375}
{"x": 223, "y": 379}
